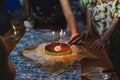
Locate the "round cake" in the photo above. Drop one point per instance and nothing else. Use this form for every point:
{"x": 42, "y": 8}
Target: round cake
{"x": 58, "y": 49}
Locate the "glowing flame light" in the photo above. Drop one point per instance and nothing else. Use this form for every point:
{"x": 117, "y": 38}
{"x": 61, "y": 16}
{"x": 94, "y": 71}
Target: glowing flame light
{"x": 53, "y": 33}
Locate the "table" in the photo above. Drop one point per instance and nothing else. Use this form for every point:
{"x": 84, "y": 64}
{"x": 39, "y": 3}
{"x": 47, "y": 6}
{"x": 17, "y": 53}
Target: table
{"x": 11, "y": 45}
{"x": 26, "y": 71}
{"x": 103, "y": 60}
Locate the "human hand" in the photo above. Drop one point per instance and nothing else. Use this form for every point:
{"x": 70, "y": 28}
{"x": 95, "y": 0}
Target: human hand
{"x": 75, "y": 39}
{"x": 85, "y": 34}
{"x": 98, "y": 44}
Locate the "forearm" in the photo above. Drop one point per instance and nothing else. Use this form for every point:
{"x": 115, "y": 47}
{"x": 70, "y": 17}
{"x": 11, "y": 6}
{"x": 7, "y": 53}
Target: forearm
{"x": 72, "y": 23}
{"x": 88, "y": 20}
{"x": 26, "y": 8}
{"x": 113, "y": 25}
{"x": 69, "y": 15}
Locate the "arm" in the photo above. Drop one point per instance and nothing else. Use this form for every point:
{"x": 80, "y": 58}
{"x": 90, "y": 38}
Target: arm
{"x": 75, "y": 37}
{"x": 88, "y": 21}
{"x": 113, "y": 25}
{"x": 26, "y": 8}
{"x": 100, "y": 43}
{"x": 87, "y": 32}
{"x": 69, "y": 15}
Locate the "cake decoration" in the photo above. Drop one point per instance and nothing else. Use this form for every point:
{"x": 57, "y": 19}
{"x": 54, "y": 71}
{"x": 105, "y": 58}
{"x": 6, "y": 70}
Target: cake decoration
{"x": 58, "y": 49}
{"x": 56, "y": 62}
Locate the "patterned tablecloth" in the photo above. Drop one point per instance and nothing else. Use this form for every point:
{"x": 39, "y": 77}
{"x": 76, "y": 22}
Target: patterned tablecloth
{"x": 27, "y": 71}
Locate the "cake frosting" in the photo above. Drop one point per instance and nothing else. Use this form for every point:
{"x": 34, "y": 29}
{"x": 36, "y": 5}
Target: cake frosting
{"x": 58, "y": 49}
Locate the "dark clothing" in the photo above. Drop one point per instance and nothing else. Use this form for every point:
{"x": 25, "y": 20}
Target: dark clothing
{"x": 12, "y": 5}
{"x": 4, "y": 23}
{"x": 9, "y": 10}
{"x": 14, "y": 9}
{"x": 114, "y": 41}
{"x": 47, "y": 13}
{"x": 113, "y": 49}
{"x": 1, "y": 4}
{"x": 115, "y": 59}
{"x": 4, "y": 19}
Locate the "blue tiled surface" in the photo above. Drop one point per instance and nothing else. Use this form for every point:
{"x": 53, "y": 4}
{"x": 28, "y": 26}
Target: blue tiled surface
{"x": 27, "y": 71}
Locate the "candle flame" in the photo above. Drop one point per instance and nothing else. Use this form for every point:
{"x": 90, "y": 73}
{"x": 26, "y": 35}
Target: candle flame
{"x": 53, "y": 36}
{"x": 61, "y": 35}
{"x": 64, "y": 33}
{"x": 61, "y": 32}
{"x": 53, "y": 32}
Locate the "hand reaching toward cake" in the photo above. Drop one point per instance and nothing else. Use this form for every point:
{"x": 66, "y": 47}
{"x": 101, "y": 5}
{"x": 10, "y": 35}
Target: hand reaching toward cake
{"x": 75, "y": 39}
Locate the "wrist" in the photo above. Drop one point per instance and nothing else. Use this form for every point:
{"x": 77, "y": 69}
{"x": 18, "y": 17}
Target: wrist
{"x": 103, "y": 38}
{"x": 88, "y": 27}
{"x": 74, "y": 34}
{"x": 74, "y": 31}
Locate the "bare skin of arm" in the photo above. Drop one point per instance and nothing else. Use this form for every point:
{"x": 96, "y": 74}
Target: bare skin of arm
{"x": 26, "y": 8}
{"x": 100, "y": 43}
{"x": 87, "y": 32}
{"x": 75, "y": 37}
{"x": 70, "y": 20}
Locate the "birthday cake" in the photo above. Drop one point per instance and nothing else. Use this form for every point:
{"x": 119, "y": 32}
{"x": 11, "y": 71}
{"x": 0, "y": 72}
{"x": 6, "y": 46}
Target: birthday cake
{"x": 58, "y": 49}
{"x": 55, "y": 58}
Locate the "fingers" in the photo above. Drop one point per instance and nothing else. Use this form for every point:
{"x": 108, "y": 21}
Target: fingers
{"x": 75, "y": 40}
{"x": 80, "y": 42}
{"x": 97, "y": 45}
{"x": 91, "y": 33}
{"x": 72, "y": 40}
{"x": 85, "y": 36}
{"x": 103, "y": 46}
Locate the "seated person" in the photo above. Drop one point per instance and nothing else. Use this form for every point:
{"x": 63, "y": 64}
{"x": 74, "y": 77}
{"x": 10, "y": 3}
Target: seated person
{"x": 53, "y": 14}
{"x": 7, "y": 70}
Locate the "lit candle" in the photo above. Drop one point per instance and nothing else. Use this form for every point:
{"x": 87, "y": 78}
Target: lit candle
{"x": 53, "y": 36}
{"x": 64, "y": 33}
{"x": 64, "y": 37}
{"x": 61, "y": 34}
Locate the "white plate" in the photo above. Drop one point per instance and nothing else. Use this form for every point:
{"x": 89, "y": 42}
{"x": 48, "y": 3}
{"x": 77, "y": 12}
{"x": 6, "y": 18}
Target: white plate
{"x": 95, "y": 73}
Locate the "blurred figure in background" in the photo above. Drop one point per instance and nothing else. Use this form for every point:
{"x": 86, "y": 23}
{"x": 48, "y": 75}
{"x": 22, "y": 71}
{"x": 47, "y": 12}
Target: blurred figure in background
{"x": 1, "y": 3}
{"x": 79, "y": 13}
{"x": 14, "y": 9}
{"x": 53, "y": 14}
{"x": 103, "y": 16}
{"x": 4, "y": 19}
{"x": 9, "y": 10}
